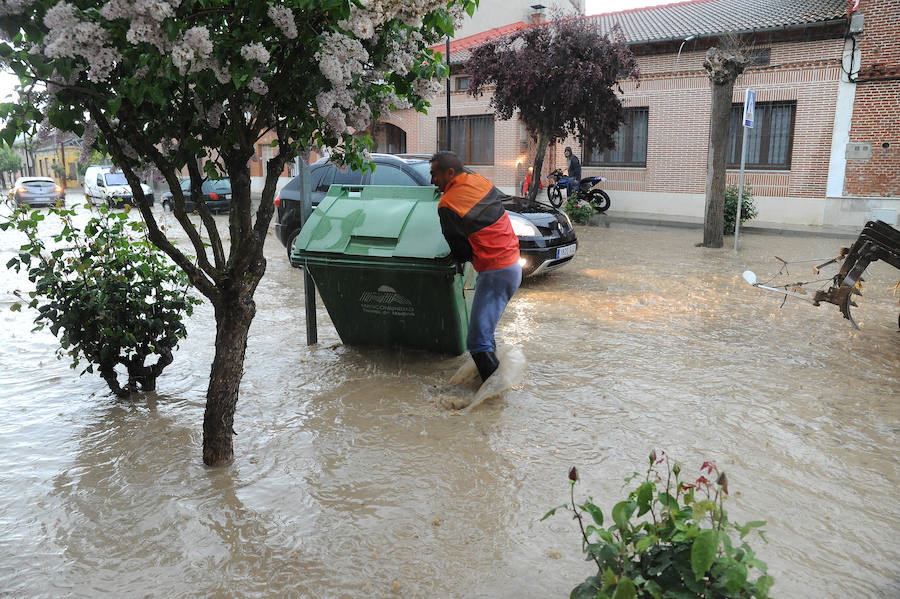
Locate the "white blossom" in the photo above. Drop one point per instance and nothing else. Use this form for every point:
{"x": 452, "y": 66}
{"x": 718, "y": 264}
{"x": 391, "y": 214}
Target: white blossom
{"x": 214, "y": 114}
{"x": 426, "y": 87}
{"x": 255, "y": 51}
{"x": 14, "y": 7}
{"x": 192, "y": 49}
{"x": 87, "y": 141}
{"x": 258, "y": 85}
{"x": 284, "y": 20}
{"x": 68, "y": 37}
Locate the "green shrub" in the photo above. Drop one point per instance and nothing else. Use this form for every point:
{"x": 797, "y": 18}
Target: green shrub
{"x": 674, "y": 543}
{"x": 579, "y": 212}
{"x": 748, "y": 207}
{"x": 112, "y": 296}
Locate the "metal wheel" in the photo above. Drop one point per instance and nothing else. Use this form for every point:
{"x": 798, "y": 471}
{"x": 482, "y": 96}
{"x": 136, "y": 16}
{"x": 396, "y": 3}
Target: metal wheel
{"x": 599, "y": 200}
{"x": 554, "y": 195}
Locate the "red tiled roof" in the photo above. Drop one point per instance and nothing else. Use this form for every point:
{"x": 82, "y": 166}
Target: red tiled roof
{"x": 689, "y": 17}
{"x": 467, "y": 43}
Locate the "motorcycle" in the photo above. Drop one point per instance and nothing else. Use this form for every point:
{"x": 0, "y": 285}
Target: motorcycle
{"x": 585, "y": 191}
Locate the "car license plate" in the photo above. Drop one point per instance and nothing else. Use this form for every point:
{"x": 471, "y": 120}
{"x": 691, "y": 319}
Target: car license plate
{"x": 566, "y": 251}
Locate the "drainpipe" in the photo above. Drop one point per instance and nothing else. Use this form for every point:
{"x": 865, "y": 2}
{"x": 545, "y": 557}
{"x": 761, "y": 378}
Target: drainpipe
{"x": 449, "y": 145}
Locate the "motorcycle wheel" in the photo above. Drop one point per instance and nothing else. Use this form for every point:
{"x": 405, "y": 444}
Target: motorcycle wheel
{"x": 599, "y": 200}
{"x": 555, "y": 196}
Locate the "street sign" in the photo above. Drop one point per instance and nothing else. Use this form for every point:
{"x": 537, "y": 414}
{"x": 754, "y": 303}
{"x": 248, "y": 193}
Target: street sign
{"x": 749, "y": 108}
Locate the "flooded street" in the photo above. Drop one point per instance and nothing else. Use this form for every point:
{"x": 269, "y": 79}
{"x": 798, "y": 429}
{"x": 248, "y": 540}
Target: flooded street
{"x": 350, "y": 480}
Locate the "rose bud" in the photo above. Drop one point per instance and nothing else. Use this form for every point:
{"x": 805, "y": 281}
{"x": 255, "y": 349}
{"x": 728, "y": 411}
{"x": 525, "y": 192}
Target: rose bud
{"x": 573, "y": 474}
{"x": 723, "y": 482}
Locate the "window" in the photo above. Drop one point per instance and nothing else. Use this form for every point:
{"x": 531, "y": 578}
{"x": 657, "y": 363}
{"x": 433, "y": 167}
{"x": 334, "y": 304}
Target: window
{"x": 388, "y": 138}
{"x": 318, "y": 181}
{"x": 471, "y": 137}
{"x": 385, "y": 174}
{"x": 347, "y": 177}
{"x": 462, "y": 83}
{"x": 770, "y": 140}
{"x": 629, "y": 142}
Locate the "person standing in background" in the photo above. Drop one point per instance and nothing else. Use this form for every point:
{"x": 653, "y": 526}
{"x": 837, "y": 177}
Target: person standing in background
{"x": 527, "y": 183}
{"x": 573, "y": 168}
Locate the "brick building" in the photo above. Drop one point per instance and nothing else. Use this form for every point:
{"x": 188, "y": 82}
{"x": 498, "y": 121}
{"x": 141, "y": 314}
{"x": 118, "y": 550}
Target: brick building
{"x": 873, "y": 170}
{"x": 825, "y": 148}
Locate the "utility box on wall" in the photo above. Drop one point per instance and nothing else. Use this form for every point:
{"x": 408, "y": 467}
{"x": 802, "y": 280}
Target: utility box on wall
{"x": 859, "y": 151}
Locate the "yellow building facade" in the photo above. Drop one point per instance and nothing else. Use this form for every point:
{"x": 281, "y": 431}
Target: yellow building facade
{"x": 65, "y": 153}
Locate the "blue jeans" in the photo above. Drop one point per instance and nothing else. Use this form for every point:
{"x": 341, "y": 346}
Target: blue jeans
{"x": 571, "y": 185}
{"x": 493, "y": 290}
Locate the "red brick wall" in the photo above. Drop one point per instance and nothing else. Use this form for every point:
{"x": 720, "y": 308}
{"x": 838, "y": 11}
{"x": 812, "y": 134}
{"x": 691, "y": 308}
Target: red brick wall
{"x": 876, "y": 110}
{"x": 677, "y": 92}
{"x": 678, "y": 128}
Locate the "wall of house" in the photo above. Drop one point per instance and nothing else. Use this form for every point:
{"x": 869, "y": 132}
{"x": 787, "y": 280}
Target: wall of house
{"x": 46, "y": 157}
{"x": 876, "y": 111}
{"x": 676, "y": 91}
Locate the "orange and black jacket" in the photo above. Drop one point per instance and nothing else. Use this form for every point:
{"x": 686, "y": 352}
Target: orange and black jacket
{"x": 475, "y": 224}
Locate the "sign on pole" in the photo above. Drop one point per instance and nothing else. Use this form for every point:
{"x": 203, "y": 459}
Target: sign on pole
{"x": 749, "y": 110}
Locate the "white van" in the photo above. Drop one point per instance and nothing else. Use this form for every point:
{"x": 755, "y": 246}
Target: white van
{"x": 103, "y": 185}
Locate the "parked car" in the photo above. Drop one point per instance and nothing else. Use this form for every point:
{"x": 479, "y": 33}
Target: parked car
{"x": 105, "y": 186}
{"x": 547, "y": 238}
{"x": 37, "y": 191}
{"x": 216, "y": 194}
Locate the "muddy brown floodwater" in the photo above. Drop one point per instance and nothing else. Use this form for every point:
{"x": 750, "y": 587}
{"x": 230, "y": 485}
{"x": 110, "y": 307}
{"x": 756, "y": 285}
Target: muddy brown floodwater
{"x": 350, "y": 480}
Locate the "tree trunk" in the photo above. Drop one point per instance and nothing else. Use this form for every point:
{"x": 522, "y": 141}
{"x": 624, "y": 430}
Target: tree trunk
{"x": 723, "y": 67}
{"x": 542, "y": 143}
{"x": 233, "y": 317}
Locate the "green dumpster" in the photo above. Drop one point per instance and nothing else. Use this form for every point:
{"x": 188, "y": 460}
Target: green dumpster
{"x": 383, "y": 268}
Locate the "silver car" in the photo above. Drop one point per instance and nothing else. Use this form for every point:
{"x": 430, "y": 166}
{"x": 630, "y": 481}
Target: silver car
{"x": 37, "y": 191}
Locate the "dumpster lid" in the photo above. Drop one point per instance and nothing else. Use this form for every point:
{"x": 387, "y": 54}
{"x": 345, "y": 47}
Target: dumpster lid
{"x": 375, "y": 220}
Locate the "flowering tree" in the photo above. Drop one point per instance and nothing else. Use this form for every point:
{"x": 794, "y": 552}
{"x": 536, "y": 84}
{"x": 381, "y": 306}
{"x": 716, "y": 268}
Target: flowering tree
{"x": 561, "y": 79}
{"x": 176, "y": 84}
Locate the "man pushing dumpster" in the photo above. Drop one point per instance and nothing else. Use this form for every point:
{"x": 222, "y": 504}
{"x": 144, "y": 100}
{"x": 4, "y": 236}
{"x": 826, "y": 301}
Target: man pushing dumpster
{"x": 479, "y": 231}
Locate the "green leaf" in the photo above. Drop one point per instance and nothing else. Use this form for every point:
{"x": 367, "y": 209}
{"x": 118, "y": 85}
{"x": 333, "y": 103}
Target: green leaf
{"x": 667, "y": 500}
{"x": 595, "y": 512}
{"x": 703, "y": 552}
{"x": 763, "y": 584}
{"x": 619, "y": 517}
{"x": 587, "y": 589}
{"x": 609, "y": 578}
{"x": 654, "y": 589}
{"x": 625, "y": 589}
{"x": 553, "y": 511}
{"x": 644, "y": 495}
{"x": 735, "y": 578}
{"x": 645, "y": 543}
{"x": 16, "y": 307}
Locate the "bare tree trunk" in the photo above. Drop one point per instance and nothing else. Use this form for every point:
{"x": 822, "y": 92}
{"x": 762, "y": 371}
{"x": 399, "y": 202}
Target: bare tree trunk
{"x": 723, "y": 67}
{"x": 542, "y": 143}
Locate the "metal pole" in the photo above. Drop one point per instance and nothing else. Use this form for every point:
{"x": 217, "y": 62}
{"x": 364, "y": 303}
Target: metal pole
{"x": 309, "y": 286}
{"x": 449, "y": 145}
{"x": 737, "y": 220}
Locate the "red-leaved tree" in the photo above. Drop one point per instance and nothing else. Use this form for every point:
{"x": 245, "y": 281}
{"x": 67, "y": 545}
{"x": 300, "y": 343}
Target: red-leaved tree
{"x": 561, "y": 77}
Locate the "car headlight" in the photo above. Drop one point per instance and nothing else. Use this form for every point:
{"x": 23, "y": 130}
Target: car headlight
{"x": 522, "y": 227}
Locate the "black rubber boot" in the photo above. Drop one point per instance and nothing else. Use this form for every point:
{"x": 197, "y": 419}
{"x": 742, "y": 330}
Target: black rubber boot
{"x": 486, "y": 362}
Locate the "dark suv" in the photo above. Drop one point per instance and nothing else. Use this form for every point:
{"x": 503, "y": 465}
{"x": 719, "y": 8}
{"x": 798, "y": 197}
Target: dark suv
{"x": 546, "y": 237}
